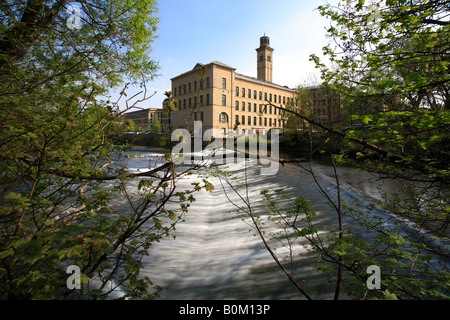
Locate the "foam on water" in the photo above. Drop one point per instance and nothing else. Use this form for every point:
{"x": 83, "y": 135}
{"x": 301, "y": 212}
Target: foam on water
{"x": 217, "y": 256}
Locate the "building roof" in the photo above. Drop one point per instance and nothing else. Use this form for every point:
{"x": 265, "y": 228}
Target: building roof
{"x": 198, "y": 65}
{"x": 222, "y": 65}
{"x": 238, "y": 75}
{"x": 267, "y": 83}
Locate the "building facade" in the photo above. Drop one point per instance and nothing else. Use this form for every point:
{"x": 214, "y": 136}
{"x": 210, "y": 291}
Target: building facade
{"x": 225, "y": 100}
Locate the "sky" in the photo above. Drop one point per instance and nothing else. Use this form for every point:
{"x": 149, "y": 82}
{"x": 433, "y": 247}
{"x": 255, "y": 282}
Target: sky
{"x": 228, "y": 31}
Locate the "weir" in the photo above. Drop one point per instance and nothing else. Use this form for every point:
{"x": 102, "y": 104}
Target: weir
{"x": 216, "y": 254}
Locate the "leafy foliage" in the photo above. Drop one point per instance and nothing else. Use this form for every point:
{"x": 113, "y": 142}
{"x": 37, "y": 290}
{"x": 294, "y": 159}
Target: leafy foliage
{"x": 66, "y": 196}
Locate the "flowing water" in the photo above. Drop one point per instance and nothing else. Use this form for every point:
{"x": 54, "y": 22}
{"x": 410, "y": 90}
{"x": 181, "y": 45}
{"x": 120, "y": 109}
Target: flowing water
{"x": 217, "y": 256}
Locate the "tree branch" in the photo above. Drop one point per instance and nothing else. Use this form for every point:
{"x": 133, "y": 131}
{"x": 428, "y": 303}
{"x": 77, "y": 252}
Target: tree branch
{"x": 65, "y": 174}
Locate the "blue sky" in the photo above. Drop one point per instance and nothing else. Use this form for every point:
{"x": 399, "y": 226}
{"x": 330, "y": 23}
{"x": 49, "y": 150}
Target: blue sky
{"x": 192, "y": 31}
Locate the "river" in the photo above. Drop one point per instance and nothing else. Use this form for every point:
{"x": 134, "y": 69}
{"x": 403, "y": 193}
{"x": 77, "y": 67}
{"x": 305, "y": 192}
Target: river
{"x": 215, "y": 254}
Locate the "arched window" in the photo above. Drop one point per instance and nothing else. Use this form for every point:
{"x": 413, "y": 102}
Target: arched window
{"x": 223, "y": 117}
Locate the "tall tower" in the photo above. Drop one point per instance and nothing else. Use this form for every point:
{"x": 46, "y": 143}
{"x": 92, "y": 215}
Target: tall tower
{"x": 264, "y": 62}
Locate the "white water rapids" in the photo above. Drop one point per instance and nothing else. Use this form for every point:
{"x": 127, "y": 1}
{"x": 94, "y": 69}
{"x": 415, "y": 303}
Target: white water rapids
{"x": 216, "y": 256}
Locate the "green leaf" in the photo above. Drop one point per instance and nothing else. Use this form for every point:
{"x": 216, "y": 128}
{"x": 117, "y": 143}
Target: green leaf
{"x": 389, "y": 295}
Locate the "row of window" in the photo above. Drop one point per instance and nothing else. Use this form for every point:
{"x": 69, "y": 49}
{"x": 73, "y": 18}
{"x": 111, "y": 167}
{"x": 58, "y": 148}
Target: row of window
{"x": 223, "y": 118}
{"x": 190, "y": 87}
{"x": 183, "y": 104}
{"x": 261, "y": 109}
{"x": 259, "y": 121}
{"x": 267, "y": 96}
{"x": 239, "y": 105}
{"x": 185, "y": 89}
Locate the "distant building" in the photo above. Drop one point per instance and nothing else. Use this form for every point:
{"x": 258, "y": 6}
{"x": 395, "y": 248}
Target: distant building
{"x": 143, "y": 118}
{"x": 225, "y": 100}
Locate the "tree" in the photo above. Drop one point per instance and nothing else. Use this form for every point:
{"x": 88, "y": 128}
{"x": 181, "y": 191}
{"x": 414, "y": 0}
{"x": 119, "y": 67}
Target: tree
{"x": 375, "y": 45}
{"x": 396, "y": 54}
{"x": 130, "y": 125}
{"x": 66, "y": 196}
{"x": 156, "y": 126}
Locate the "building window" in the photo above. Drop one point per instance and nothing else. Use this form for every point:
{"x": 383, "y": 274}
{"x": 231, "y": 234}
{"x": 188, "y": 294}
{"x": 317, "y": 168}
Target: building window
{"x": 249, "y": 120}
{"x": 184, "y": 88}
{"x": 254, "y": 107}
{"x": 284, "y": 100}
{"x": 260, "y": 108}
{"x": 243, "y": 106}
{"x": 224, "y": 131}
{"x": 260, "y": 121}
{"x": 270, "y": 97}
{"x": 265, "y": 122}
{"x": 207, "y": 83}
{"x": 224, "y": 83}
{"x": 249, "y": 93}
{"x": 190, "y": 87}
{"x": 184, "y": 103}
{"x": 260, "y": 95}
{"x": 237, "y": 105}
{"x": 265, "y": 96}
{"x": 254, "y": 94}
{"x": 236, "y": 120}
{"x": 175, "y": 92}
{"x": 243, "y": 92}
{"x": 201, "y": 115}
{"x": 201, "y": 84}
{"x": 237, "y": 91}
{"x": 195, "y": 116}
{"x": 201, "y": 100}
{"x": 270, "y": 122}
{"x": 224, "y": 100}
{"x": 207, "y": 100}
{"x": 195, "y": 85}
{"x": 189, "y": 103}
{"x": 243, "y": 119}
{"x": 249, "y": 106}
{"x": 274, "y": 122}
{"x": 270, "y": 109}
{"x": 254, "y": 121}
{"x": 223, "y": 117}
